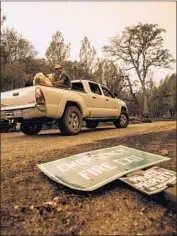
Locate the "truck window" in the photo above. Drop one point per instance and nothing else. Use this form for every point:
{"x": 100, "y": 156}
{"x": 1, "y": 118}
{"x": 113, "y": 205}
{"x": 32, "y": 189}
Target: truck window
{"x": 78, "y": 86}
{"x": 95, "y": 88}
{"x": 106, "y": 92}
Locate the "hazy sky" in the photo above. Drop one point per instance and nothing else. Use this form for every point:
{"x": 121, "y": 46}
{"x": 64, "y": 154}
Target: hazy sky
{"x": 37, "y": 21}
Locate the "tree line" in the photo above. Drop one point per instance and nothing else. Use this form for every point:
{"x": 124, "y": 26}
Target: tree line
{"x": 139, "y": 50}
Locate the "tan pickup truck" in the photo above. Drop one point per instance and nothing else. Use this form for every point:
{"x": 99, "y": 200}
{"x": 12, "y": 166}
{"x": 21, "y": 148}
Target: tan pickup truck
{"x": 86, "y": 101}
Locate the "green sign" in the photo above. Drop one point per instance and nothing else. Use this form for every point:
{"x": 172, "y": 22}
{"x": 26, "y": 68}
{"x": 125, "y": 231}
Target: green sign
{"x": 91, "y": 170}
{"x": 153, "y": 180}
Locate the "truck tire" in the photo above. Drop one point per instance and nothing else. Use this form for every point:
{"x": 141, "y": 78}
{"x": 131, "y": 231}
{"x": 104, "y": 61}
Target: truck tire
{"x": 122, "y": 121}
{"x": 31, "y": 128}
{"x": 91, "y": 124}
{"x": 71, "y": 122}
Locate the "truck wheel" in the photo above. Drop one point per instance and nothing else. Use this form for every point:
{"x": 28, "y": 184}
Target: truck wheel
{"x": 122, "y": 121}
{"x": 71, "y": 122}
{"x": 31, "y": 128}
{"x": 91, "y": 124}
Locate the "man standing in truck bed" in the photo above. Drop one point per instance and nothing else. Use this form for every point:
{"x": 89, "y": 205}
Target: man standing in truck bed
{"x": 61, "y": 78}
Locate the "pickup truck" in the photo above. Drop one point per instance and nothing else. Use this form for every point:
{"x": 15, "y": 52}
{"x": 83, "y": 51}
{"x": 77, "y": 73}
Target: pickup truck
{"x": 87, "y": 101}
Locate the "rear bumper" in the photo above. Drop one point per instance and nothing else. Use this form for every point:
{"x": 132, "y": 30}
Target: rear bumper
{"x": 29, "y": 113}
{"x": 37, "y": 112}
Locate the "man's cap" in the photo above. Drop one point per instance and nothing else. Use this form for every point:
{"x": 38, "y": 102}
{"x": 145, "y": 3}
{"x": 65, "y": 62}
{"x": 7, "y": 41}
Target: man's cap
{"x": 57, "y": 66}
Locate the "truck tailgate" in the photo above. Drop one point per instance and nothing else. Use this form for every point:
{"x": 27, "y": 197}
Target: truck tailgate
{"x": 19, "y": 98}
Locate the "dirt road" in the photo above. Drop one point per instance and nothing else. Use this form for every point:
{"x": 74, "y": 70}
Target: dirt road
{"x": 113, "y": 209}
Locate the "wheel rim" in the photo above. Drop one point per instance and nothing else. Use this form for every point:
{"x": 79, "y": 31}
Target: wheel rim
{"x": 73, "y": 121}
{"x": 123, "y": 119}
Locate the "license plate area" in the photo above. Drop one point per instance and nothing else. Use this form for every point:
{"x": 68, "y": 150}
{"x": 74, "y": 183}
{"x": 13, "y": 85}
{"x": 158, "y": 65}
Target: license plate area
{"x": 11, "y": 114}
{"x": 17, "y": 113}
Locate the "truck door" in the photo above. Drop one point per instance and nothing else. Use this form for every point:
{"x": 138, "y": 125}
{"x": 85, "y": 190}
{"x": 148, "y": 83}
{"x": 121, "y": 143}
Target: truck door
{"x": 96, "y": 101}
{"x": 110, "y": 103}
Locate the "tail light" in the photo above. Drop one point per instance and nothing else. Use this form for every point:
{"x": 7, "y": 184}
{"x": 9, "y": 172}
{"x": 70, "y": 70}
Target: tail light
{"x": 40, "y": 99}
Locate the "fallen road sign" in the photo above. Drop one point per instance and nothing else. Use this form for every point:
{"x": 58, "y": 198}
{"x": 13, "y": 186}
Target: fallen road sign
{"x": 153, "y": 180}
{"x": 91, "y": 170}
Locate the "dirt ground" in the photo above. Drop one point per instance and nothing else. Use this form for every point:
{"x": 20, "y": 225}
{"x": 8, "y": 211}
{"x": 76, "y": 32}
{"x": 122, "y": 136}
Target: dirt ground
{"x": 115, "y": 209}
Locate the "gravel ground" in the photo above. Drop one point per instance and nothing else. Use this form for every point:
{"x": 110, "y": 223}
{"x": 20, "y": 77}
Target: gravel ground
{"x": 32, "y": 204}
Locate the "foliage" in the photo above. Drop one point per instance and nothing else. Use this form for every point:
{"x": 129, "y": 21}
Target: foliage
{"x": 3, "y": 19}
{"x": 14, "y": 47}
{"x": 108, "y": 73}
{"x": 58, "y": 51}
{"x": 163, "y": 98}
{"x": 140, "y": 48}
{"x": 76, "y": 71}
{"x": 16, "y": 53}
{"x": 87, "y": 55}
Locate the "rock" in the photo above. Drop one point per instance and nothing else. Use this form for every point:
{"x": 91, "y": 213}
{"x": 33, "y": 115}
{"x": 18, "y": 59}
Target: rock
{"x": 31, "y": 207}
{"x": 135, "y": 224}
{"x": 59, "y": 209}
{"x": 69, "y": 213}
{"x": 142, "y": 211}
{"x": 56, "y": 199}
{"x": 51, "y": 203}
{"x": 164, "y": 152}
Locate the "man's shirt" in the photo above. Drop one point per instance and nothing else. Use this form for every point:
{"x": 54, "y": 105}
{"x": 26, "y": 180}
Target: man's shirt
{"x": 62, "y": 76}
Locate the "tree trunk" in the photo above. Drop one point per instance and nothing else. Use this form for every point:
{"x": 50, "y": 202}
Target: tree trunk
{"x": 145, "y": 107}
{"x": 134, "y": 96}
{"x": 145, "y": 101}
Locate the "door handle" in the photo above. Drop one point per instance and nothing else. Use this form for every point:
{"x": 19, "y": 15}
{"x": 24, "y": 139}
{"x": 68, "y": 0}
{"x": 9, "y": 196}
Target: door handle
{"x": 107, "y": 99}
{"x": 15, "y": 93}
{"x": 94, "y": 97}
